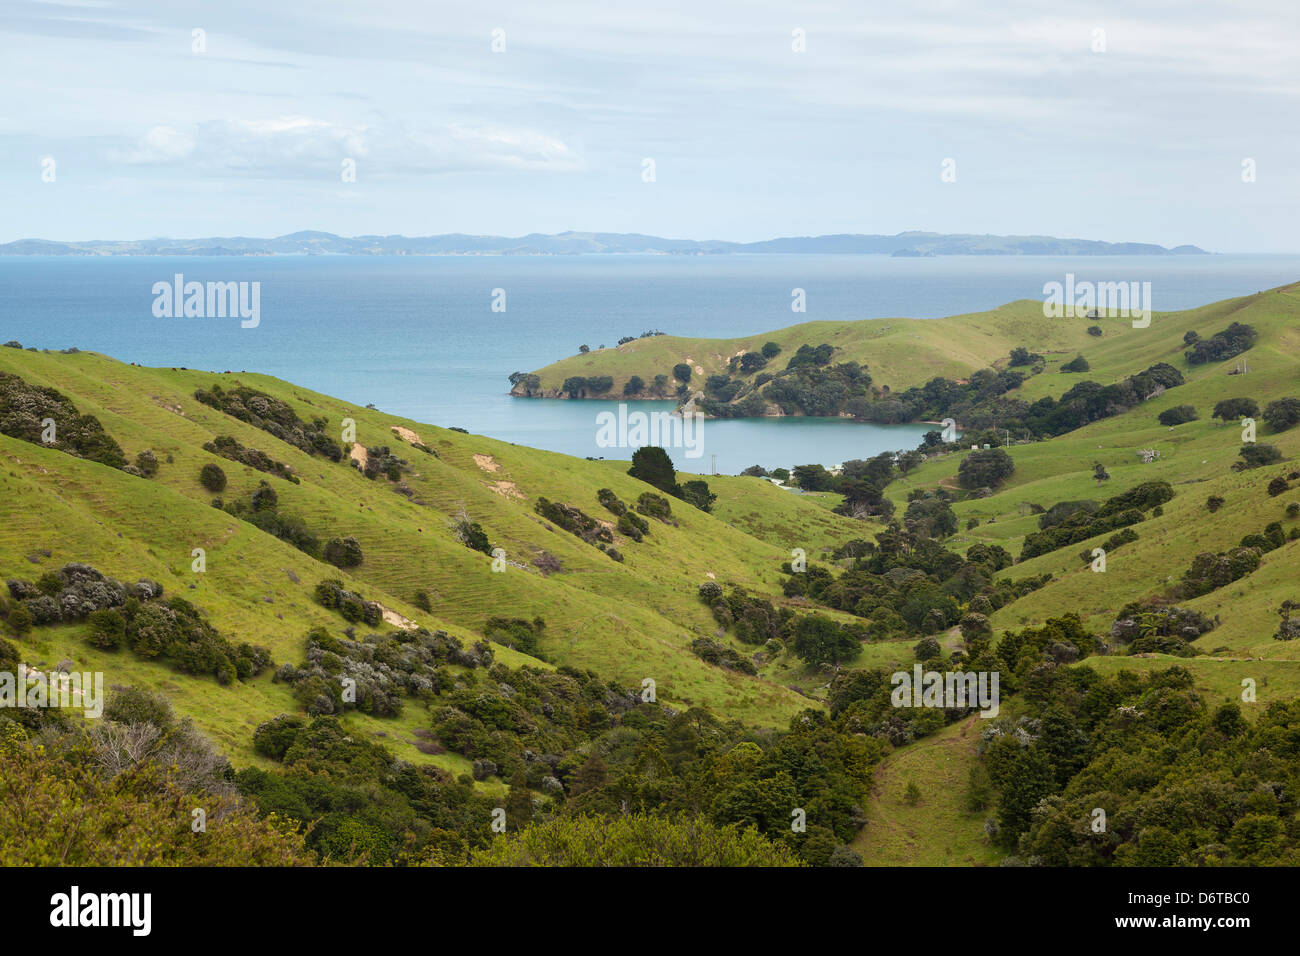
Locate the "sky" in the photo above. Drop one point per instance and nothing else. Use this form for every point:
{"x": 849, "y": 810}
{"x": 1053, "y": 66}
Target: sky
{"x": 1129, "y": 121}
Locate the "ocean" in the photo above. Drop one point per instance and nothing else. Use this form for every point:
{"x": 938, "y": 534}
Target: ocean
{"x": 417, "y": 336}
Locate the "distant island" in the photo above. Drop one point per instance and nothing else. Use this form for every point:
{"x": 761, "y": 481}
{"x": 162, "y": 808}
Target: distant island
{"x": 905, "y": 244}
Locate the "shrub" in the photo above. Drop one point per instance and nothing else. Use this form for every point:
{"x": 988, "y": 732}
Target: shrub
{"x": 651, "y": 464}
{"x": 20, "y": 619}
{"x": 1232, "y": 341}
{"x": 654, "y": 506}
{"x": 1094, "y": 330}
{"x": 139, "y": 705}
{"x": 1214, "y": 503}
{"x": 147, "y": 463}
{"x": 682, "y": 372}
{"x": 1278, "y": 486}
{"x": 1233, "y": 409}
{"x": 1257, "y": 455}
{"x": 343, "y": 552}
{"x": 697, "y": 493}
{"x": 986, "y": 468}
{"x": 212, "y": 478}
{"x": 107, "y": 628}
{"x": 1178, "y": 415}
{"x": 710, "y": 592}
{"x": 1282, "y": 414}
{"x": 472, "y": 535}
{"x": 274, "y": 737}
{"x": 1076, "y": 364}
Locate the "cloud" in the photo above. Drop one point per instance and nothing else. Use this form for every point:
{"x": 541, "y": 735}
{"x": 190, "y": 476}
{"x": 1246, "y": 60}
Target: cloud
{"x": 301, "y": 147}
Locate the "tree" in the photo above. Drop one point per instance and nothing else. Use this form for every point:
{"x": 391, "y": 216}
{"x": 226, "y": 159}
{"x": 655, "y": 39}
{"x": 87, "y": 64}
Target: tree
{"x": 584, "y": 349}
{"x": 1076, "y": 364}
{"x": 1099, "y": 472}
{"x": 1257, "y": 455}
{"x": 1178, "y": 415}
{"x": 147, "y": 462}
{"x": 682, "y": 372}
{"x": 212, "y": 478}
{"x": 107, "y": 628}
{"x": 590, "y": 776}
{"x": 1282, "y": 414}
{"x": 343, "y": 552}
{"x": 986, "y": 468}
{"x": 1232, "y": 409}
{"x": 697, "y": 492}
{"x": 519, "y": 802}
{"x": 812, "y": 477}
{"x": 819, "y": 640}
{"x": 651, "y": 464}
{"x": 20, "y": 619}
{"x": 771, "y": 350}
{"x": 634, "y": 385}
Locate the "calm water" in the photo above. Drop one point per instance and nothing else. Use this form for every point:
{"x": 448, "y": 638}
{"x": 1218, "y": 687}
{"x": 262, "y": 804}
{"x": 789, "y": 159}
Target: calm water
{"x": 417, "y": 336}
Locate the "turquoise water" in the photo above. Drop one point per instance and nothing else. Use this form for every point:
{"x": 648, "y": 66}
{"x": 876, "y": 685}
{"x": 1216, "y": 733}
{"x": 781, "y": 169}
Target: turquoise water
{"x": 417, "y": 336}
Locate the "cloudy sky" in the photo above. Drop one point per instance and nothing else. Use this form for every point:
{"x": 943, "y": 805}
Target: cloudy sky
{"x": 1113, "y": 120}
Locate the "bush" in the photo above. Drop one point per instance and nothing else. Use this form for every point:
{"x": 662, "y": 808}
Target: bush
{"x": 343, "y": 552}
{"x": 1256, "y": 456}
{"x": 1076, "y": 364}
{"x": 1214, "y": 503}
{"x": 697, "y": 493}
{"x": 147, "y": 463}
{"x": 651, "y": 464}
{"x": 1094, "y": 330}
{"x": 1282, "y": 414}
{"x": 1278, "y": 486}
{"x": 273, "y": 738}
{"x": 682, "y": 372}
{"x": 1232, "y": 341}
{"x": 1178, "y": 415}
{"x": 107, "y": 628}
{"x": 986, "y": 468}
{"x": 139, "y": 705}
{"x": 1233, "y": 409}
{"x": 20, "y": 619}
{"x": 654, "y": 506}
{"x": 212, "y": 478}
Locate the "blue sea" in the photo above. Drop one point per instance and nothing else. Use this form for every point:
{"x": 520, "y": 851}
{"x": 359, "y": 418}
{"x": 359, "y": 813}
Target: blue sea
{"x": 417, "y": 336}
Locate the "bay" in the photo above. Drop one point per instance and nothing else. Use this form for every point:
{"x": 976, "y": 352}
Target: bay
{"x": 416, "y": 336}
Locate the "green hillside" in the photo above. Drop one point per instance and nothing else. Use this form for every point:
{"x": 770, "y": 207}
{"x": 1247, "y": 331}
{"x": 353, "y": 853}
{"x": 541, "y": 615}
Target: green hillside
{"x": 899, "y": 352}
{"x": 765, "y": 708}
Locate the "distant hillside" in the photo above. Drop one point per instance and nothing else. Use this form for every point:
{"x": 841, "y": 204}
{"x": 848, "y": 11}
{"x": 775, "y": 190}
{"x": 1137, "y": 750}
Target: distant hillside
{"x": 607, "y": 243}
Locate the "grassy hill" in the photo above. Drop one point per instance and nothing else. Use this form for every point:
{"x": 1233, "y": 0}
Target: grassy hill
{"x": 628, "y": 621}
{"x": 899, "y": 352}
{"x": 636, "y": 619}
